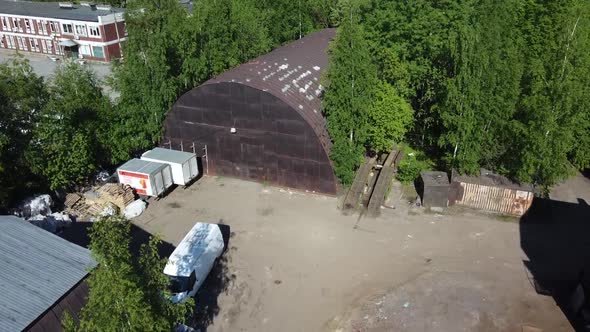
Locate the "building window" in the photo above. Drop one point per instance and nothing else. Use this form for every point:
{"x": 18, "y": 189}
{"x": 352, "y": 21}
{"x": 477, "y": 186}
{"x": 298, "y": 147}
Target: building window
{"x": 28, "y": 25}
{"x": 2, "y": 42}
{"x": 16, "y": 25}
{"x": 98, "y": 52}
{"x": 54, "y": 27}
{"x": 81, "y": 30}
{"x": 4, "y": 23}
{"x": 49, "y": 46}
{"x": 10, "y": 42}
{"x": 85, "y": 50}
{"x": 21, "y": 43}
{"x": 34, "y": 44}
{"x": 67, "y": 28}
{"x": 94, "y": 31}
{"x": 42, "y": 27}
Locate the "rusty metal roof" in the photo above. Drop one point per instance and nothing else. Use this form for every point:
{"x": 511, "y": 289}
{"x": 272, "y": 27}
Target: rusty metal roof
{"x": 490, "y": 179}
{"x": 292, "y": 73}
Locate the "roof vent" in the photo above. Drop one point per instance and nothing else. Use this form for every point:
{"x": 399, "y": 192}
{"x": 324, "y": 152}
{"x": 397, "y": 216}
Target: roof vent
{"x": 66, "y": 5}
{"x": 103, "y": 7}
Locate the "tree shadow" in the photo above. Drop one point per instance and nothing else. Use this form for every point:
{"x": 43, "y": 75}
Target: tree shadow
{"x": 217, "y": 283}
{"x": 555, "y": 236}
{"x": 78, "y": 233}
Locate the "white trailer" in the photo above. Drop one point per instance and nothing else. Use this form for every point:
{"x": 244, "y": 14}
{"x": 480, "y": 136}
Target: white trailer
{"x": 183, "y": 164}
{"x": 146, "y": 177}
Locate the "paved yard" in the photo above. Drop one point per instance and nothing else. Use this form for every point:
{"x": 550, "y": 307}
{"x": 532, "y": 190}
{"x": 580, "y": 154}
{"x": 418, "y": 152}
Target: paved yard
{"x": 295, "y": 263}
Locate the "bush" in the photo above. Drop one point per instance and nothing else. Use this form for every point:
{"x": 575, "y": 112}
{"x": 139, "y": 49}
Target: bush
{"x": 413, "y": 163}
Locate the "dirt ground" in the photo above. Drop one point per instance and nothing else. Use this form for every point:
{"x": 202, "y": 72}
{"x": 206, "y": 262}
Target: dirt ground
{"x": 295, "y": 263}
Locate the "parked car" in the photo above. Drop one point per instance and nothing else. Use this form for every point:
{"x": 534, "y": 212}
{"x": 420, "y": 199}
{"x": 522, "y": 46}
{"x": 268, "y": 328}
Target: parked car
{"x": 190, "y": 263}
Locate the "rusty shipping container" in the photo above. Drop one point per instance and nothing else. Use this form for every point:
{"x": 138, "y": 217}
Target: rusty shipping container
{"x": 491, "y": 192}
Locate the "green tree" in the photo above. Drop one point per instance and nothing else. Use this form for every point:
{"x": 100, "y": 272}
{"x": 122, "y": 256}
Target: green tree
{"x": 390, "y": 118}
{"x": 230, "y": 32}
{"x": 289, "y": 20}
{"x": 351, "y": 81}
{"x": 65, "y": 147}
{"x": 147, "y": 79}
{"x": 409, "y": 41}
{"x": 22, "y": 95}
{"x": 554, "y": 102}
{"x": 125, "y": 295}
{"x": 483, "y": 89}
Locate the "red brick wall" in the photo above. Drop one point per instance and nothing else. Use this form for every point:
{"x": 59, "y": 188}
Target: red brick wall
{"x": 109, "y": 32}
{"x": 112, "y": 52}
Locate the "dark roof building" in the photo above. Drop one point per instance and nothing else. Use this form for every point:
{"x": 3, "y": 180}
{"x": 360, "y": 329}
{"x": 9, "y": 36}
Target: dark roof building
{"x": 85, "y": 30}
{"x": 262, "y": 120}
{"x": 52, "y": 10}
{"x": 41, "y": 275}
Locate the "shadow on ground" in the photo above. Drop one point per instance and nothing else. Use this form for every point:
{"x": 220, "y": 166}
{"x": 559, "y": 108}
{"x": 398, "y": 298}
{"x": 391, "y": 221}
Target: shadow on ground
{"x": 78, "y": 233}
{"x": 217, "y": 283}
{"x": 555, "y": 236}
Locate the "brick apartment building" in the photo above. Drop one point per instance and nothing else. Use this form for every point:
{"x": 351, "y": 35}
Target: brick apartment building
{"x": 86, "y": 31}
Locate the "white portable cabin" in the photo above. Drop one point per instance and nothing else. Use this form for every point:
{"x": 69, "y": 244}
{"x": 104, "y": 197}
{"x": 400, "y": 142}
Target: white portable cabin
{"x": 146, "y": 177}
{"x": 183, "y": 164}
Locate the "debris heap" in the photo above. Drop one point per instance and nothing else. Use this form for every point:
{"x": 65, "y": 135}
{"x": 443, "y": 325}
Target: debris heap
{"x": 108, "y": 199}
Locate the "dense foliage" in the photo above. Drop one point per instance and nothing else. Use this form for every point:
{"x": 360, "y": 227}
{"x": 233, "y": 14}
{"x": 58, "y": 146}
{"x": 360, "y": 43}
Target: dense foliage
{"x": 496, "y": 84}
{"x": 54, "y": 134}
{"x": 57, "y": 133}
{"x": 69, "y": 137}
{"x": 22, "y": 96}
{"x": 475, "y": 83}
{"x": 350, "y": 89}
{"x": 126, "y": 294}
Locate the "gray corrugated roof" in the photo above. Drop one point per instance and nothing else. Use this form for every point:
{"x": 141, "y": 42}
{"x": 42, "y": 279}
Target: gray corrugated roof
{"x": 36, "y": 269}
{"x": 292, "y": 73}
{"x": 142, "y": 166}
{"x": 52, "y": 10}
{"x": 173, "y": 156}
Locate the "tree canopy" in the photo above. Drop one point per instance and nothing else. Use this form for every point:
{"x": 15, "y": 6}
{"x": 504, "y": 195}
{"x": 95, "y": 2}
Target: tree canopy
{"x": 501, "y": 85}
{"x": 66, "y": 146}
{"x": 126, "y": 294}
{"x": 350, "y": 90}
{"x": 22, "y": 96}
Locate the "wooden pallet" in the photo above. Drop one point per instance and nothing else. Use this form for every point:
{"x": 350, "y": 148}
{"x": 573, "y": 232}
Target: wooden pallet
{"x": 113, "y": 195}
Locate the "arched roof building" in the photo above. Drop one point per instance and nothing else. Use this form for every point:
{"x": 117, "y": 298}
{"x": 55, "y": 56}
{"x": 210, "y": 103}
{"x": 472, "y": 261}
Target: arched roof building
{"x": 262, "y": 120}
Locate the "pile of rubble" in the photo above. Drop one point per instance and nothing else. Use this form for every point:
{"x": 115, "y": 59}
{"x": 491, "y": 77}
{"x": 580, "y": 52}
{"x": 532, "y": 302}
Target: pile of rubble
{"x": 108, "y": 199}
{"x": 37, "y": 211}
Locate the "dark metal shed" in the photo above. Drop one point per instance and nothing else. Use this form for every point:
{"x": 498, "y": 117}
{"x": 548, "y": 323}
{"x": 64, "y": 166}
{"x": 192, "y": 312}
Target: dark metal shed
{"x": 262, "y": 120}
{"x": 434, "y": 189}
